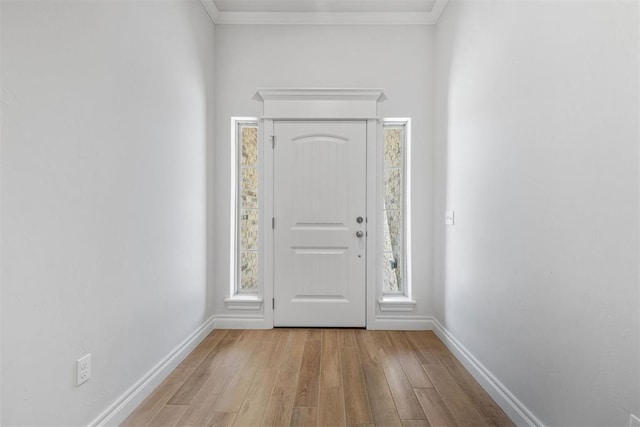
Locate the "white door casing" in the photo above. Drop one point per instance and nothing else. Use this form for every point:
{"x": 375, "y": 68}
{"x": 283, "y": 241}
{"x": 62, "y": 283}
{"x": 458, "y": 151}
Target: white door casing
{"x": 319, "y": 192}
{"x": 316, "y": 104}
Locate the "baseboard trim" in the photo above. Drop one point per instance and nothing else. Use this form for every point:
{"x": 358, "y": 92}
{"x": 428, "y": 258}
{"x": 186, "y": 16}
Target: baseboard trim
{"x": 515, "y": 409}
{"x": 125, "y": 404}
{"x": 402, "y": 323}
{"x": 231, "y": 321}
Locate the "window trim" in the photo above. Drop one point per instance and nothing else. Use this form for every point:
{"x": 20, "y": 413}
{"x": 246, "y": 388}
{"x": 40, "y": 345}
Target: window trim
{"x": 242, "y": 300}
{"x": 404, "y": 300}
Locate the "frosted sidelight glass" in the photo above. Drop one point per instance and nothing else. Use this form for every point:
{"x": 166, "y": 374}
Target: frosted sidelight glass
{"x": 248, "y": 270}
{"x": 249, "y": 229}
{"x": 249, "y": 188}
{"x": 393, "y": 213}
{"x": 248, "y": 208}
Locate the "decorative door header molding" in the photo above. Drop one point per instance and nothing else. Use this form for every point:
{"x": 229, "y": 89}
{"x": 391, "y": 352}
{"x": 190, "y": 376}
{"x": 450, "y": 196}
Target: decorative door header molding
{"x": 320, "y": 16}
{"x": 318, "y": 103}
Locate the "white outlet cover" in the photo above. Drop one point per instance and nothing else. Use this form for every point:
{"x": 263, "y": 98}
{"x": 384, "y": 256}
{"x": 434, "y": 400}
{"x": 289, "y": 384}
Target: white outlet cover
{"x": 634, "y": 421}
{"x": 449, "y": 217}
{"x": 83, "y": 369}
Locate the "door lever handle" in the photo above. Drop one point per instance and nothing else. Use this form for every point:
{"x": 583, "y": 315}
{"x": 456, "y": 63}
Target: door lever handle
{"x": 359, "y": 233}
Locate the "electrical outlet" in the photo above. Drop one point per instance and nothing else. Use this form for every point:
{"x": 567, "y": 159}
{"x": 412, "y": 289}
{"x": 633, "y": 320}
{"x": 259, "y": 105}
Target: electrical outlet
{"x": 449, "y": 217}
{"x": 634, "y": 421}
{"x": 83, "y": 369}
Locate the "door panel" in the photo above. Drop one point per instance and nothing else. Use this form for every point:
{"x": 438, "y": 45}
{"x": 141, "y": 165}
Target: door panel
{"x": 319, "y": 191}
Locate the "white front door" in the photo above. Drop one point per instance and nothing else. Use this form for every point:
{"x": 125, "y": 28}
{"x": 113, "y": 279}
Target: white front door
{"x": 320, "y": 223}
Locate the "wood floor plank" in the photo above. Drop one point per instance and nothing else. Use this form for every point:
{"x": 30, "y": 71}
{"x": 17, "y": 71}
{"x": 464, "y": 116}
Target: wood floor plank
{"x": 201, "y": 374}
{"x": 331, "y": 407}
{"x": 480, "y": 398}
{"x": 363, "y": 350}
{"x": 204, "y": 348}
{"x": 357, "y": 407}
{"x": 241, "y": 350}
{"x": 304, "y": 417}
{"x": 314, "y": 334}
{"x": 330, "y": 364}
{"x": 295, "y": 351}
{"x": 202, "y": 416}
{"x": 197, "y": 415}
{"x": 330, "y": 400}
{"x": 234, "y": 333}
{"x": 427, "y": 340}
{"x": 459, "y": 403}
{"x": 278, "y": 356}
{"x": 309, "y": 377}
{"x": 430, "y": 357}
{"x": 158, "y": 398}
{"x": 222, "y": 419}
{"x": 253, "y": 335}
{"x": 368, "y": 347}
{"x": 167, "y": 389}
{"x": 214, "y": 386}
{"x": 168, "y": 416}
{"x": 347, "y": 337}
{"x": 253, "y": 408}
{"x": 437, "y": 412}
{"x": 380, "y": 338}
{"x": 415, "y": 349}
{"x": 191, "y": 387}
{"x": 236, "y": 390}
{"x": 382, "y": 406}
{"x": 404, "y": 353}
{"x": 280, "y": 404}
{"x": 415, "y": 423}
{"x": 405, "y": 399}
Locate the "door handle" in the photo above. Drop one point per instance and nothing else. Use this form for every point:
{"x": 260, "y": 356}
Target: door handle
{"x": 359, "y": 233}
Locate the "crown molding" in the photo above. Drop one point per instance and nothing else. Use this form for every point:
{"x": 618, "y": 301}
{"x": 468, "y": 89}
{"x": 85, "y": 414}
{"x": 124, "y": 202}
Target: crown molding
{"x": 437, "y": 10}
{"x": 212, "y": 10}
{"x": 324, "y": 18}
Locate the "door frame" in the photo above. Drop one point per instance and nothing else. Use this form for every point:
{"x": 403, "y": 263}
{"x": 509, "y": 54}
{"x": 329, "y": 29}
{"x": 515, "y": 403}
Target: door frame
{"x": 321, "y": 105}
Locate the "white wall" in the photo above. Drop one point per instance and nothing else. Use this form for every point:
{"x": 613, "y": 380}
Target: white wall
{"x": 1, "y": 204}
{"x": 537, "y": 152}
{"x": 104, "y": 146}
{"x": 395, "y": 58}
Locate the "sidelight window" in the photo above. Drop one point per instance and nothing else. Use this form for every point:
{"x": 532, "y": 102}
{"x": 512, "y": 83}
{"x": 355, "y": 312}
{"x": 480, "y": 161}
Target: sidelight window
{"x": 396, "y": 284}
{"x": 246, "y": 203}
{"x": 248, "y": 271}
{"x": 392, "y": 214}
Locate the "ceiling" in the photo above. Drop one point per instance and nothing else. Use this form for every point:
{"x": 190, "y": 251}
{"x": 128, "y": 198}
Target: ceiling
{"x": 325, "y": 11}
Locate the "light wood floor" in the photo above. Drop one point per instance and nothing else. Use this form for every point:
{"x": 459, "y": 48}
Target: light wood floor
{"x": 328, "y": 377}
